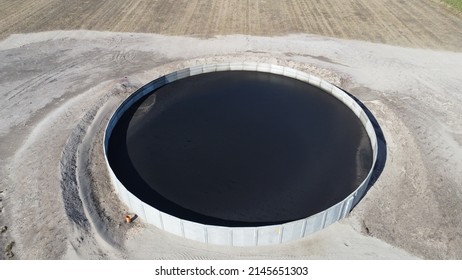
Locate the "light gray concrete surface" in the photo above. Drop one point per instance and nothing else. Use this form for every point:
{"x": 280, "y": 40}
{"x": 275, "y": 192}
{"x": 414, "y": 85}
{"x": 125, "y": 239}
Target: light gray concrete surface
{"x": 242, "y": 236}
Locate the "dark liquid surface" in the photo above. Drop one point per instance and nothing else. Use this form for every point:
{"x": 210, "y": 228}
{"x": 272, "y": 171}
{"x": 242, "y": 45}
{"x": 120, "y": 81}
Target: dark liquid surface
{"x": 240, "y": 149}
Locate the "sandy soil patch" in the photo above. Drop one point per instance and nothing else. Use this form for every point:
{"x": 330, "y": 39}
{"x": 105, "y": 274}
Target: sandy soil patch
{"x": 59, "y": 88}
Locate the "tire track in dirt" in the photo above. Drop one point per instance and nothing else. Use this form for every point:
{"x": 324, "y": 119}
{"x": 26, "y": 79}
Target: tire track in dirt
{"x": 368, "y": 14}
{"x": 305, "y": 16}
{"x": 23, "y": 10}
{"x": 335, "y": 19}
{"x": 406, "y": 21}
{"x": 199, "y": 9}
{"x": 238, "y": 17}
{"x": 183, "y": 22}
{"x": 292, "y": 8}
{"x": 265, "y": 26}
{"x": 220, "y": 11}
{"x": 315, "y": 17}
{"x": 417, "y": 16}
{"x": 125, "y": 19}
{"x": 39, "y": 80}
{"x": 327, "y": 22}
{"x": 284, "y": 18}
{"x": 247, "y": 18}
{"x": 161, "y": 12}
{"x": 296, "y": 20}
{"x": 120, "y": 58}
{"x": 110, "y": 15}
{"x": 441, "y": 16}
{"x": 383, "y": 19}
{"x": 255, "y": 11}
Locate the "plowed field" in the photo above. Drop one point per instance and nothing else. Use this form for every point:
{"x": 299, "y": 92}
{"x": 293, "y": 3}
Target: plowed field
{"x": 426, "y": 24}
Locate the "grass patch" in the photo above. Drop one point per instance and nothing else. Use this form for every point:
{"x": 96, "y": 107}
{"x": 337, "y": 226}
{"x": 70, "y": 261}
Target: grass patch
{"x": 455, "y": 3}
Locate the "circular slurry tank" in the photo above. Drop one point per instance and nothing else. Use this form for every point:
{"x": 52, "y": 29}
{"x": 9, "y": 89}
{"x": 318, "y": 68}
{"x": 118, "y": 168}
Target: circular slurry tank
{"x": 240, "y": 154}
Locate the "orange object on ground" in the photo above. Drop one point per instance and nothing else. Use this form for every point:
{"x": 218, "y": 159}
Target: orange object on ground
{"x": 128, "y": 218}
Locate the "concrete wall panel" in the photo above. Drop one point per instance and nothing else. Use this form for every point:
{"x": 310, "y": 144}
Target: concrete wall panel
{"x": 249, "y": 66}
{"x": 245, "y": 236}
{"x": 137, "y": 206}
{"x": 289, "y": 72}
{"x": 314, "y": 223}
{"x": 276, "y": 69}
{"x": 219, "y": 235}
{"x": 333, "y": 214}
{"x": 209, "y": 68}
{"x": 183, "y": 73}
{"x": 347, "y": 207}
{"x": 301, "y": 76}
{"x": 315, "y": 81}
{"x": 269, "y": 235}
{"x": 337, "y": 93}
{"x": 236, "y": 66}
{"x": 195, "y": 70}
{"x": 361, "y": 190}
{"x": 152, "y": 215}
{"x": 262, "y": 67}
{"x": 348, "y": 100}
{"x": 326, "y": 86}
{"x": 172, "y": 224}
{"x": 356, "y": 109}
{"x": 223, "y": 67}
{"x": 194, "y": 231}
{"x": 293, "y": 230}
{"x": 171, "y": 77}
{"x": 123, "y": 194}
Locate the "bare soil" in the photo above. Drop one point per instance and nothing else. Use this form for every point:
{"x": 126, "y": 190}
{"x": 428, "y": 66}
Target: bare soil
{"x": 58, "y": 89}
{"x": 423, "y": 24}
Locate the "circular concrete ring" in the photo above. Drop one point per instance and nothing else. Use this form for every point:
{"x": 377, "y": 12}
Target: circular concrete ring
{"x": 242, "y": 236}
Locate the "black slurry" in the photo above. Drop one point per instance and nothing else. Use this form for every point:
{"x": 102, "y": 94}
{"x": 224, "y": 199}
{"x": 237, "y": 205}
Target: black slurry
{"x": 240, "y": 149}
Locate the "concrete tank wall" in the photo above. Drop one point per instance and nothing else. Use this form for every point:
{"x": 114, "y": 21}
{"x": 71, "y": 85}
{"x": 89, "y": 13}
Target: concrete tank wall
{"x": 241, "y": 236}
